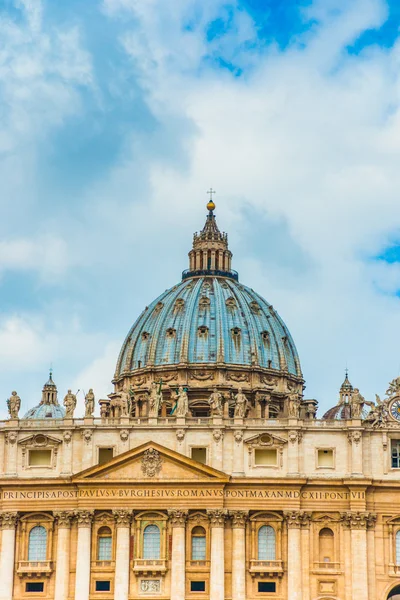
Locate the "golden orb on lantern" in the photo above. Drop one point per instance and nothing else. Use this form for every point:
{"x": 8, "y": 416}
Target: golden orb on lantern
{"x": 210, "y": 205}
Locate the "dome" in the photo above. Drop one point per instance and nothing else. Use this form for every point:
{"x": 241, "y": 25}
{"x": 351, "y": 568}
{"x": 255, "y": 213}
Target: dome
{"x": 48, "y": 408}
{"x": 45, "y": 411}
{"x": 342, "y": 410}
{"x": 209, "y": 318}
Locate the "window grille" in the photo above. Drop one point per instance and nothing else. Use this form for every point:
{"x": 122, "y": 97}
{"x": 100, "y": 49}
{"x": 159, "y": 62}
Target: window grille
{"x": 198, "y": 544}
{"x": 151, "y": 542}
{"x": 395, "y": 454}
{"x": 37, "y": 548}
{"x": 104, "y": 549}
{"x": 266, "y": 543}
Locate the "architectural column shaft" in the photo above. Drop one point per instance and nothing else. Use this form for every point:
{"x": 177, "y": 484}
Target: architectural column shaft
{"x": 238, "y": 560}
{"x": 82, "y": 578}
{"x": 347, "y": 563}
{"x": 7, "y": 564}
{"x": 62, "y": 564}
{"x": 294, "y": 563}
{"x": 371, "y": 564}
{"x": 359, "y": 560}
{"x": 178, "y": 563}
{"x": 121, "y": 586}
{"x": 217, "y": 570}
{"x": 305, "y": 561}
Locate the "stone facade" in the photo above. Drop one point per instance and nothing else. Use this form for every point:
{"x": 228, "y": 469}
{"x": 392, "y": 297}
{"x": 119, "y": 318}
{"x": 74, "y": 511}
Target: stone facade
{"x": 212, "y": 480}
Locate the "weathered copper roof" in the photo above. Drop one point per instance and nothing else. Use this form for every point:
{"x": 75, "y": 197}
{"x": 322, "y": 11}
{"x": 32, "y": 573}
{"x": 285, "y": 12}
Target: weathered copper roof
{"x": 209, "y": 320}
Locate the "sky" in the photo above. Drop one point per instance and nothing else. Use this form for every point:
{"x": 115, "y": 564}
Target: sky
{"x": 116, "y": 116}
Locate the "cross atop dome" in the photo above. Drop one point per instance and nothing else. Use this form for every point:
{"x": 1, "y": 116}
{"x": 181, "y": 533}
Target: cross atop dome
{"x": 210, "y": 254}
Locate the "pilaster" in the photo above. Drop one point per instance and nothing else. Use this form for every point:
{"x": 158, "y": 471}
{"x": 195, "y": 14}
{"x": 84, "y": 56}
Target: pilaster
{"x": 63, "y": 519}
{"x": 178, "y": 522}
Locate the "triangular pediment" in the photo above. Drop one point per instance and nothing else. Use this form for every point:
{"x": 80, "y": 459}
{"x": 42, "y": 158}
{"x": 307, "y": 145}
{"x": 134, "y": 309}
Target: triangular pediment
{"x": 39, "y": 440}
{"x": 152, "y": 462}
{"x": 265, "y": 439}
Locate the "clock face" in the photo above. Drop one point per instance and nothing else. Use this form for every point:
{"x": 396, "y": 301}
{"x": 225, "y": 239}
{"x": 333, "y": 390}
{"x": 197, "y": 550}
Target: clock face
{"x": 395, "y": 409}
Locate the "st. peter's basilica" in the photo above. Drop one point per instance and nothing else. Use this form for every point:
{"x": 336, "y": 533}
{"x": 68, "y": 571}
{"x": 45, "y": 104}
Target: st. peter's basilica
{"x": 208, "y": 474}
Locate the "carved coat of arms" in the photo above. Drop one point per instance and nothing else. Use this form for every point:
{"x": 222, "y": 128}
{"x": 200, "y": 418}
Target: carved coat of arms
{"x": 151, "y": 462}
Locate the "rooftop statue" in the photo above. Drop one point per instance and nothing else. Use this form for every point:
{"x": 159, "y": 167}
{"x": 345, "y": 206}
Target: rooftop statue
{"x": 215, "y": 402}
{"x": 182, "y": 403}
{"x": 155, "y": 400}
{"x": 89, "y": 403}
{"x": 294, "y": 406}
{"x": 357, "y": 402}
{"x": 14, "y": 404}
{"x": 241, "y": 404}
{"x": 70, "y": 404}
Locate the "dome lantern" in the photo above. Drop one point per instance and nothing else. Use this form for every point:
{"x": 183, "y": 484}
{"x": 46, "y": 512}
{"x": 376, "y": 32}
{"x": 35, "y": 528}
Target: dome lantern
{"x": 48, "y": 408}
{"x": 210, "y": 254}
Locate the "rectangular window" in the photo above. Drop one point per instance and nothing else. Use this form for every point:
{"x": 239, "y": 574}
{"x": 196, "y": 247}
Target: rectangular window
{"x": 267, "y": 586}
{"x": 105, "y": 548}
{"x": 103, "y": 586}
{"x": 200, "y": 454}
{"x": 266, "y": 457}
{"x": 395, "y": 454}
{"x": 325, "y": 458}
{"x": 34, "y": 586}
{"x": 39, "y": 458}
{"x": 197, "y": 586}
{"x": 105, "y": 454}
{"x": 198, "y": 547}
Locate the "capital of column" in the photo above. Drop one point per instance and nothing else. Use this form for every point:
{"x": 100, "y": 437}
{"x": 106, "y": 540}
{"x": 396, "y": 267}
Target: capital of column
{"x": 122, "y": 517}
{"x": 63, "y": 518}
{"x": 357, "y": 519}
{"x": 217, "y": 516}
{"x": 239, "y": 518}
{"x": 84, "y": 517}
{"x": 9, "y": 520}
{"x": 296, "y": 519}
{"x": 177, "y": 517}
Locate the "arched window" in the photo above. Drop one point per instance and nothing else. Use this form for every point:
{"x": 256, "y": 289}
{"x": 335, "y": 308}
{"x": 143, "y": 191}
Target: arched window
{"x": 326, "y": 541}
{"x": 198, "y": 543}
{"x": 266, "y": 543}
{"x": 37, "y": 547}
{"x": 398, "y": 547}
{"x": 151, "y": 542}
{"x": 104, "y": 544}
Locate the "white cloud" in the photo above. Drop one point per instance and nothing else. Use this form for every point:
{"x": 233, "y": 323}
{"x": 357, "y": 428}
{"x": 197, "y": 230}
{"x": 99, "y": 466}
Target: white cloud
{"x": 309, "y": 136}
{"x": 48, "y": 256}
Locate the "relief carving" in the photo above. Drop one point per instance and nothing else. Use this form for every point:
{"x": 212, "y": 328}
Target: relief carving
{"x": 150, "y": 585}
{"x": 9, "y": 520}
{"x": 11, "y": 437}
{"x": 180, "y": 435}
{"x": 178, "y": 517}
{"x": 124, "y": 435}
{"x": 218, "y": 434}
{"x": 151, "y": 462}
{"x": 201, "y": 375}
{"x": 357, "y": 519}
{"x": 217, "y": 516}
{"x": 122, "y": 517}
{"x": 64, "y": 518}
{"x": 239, "y": 518}
{"x": 84, "y": 517}
{"x": 239, "y": 377}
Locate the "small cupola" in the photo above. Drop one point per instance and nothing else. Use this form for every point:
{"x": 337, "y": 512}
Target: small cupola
{"x": 210, "y": 254}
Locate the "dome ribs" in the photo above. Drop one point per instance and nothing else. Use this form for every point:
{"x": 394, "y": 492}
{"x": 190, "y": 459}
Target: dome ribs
{"x": 218, "y": 321}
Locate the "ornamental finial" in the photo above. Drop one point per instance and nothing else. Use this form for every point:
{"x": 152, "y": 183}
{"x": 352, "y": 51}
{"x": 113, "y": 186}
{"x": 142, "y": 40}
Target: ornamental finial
{"x": 211, "y": 204}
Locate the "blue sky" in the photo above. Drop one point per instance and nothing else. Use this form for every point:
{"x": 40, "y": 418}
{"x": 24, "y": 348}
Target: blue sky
{"x": 116, "y": 116}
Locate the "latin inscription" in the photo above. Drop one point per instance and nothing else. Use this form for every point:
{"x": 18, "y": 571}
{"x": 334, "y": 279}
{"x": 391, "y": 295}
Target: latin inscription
{"x": 271, "y": 494}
